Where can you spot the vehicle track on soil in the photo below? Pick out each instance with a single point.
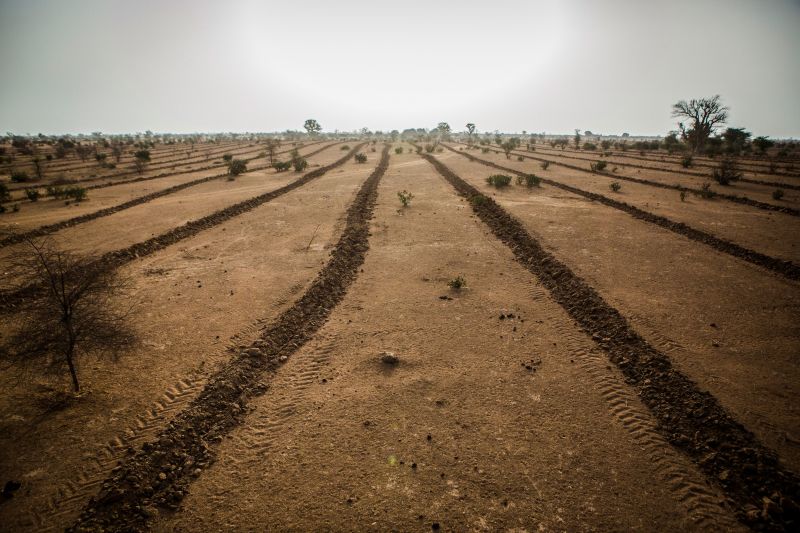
(763, 493)
(778, 266)
(116, 258)
(729, 197)
(16, 238)
(145, 480)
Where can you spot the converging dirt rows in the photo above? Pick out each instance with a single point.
(316, 355)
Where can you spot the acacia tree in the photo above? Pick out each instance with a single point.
(117, 150)
(763, 144)
(444, 130)
(312, 127)
(141, 159)
(577, 138)
(470, 131)
(703, 115)
(75, 310)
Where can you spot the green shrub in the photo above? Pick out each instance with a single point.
(236, 167)
(706, 192)
(484, 150)
(77, 193)
(544, 165)
(529, 180)
(457, 283)
(615, 186)
(520, 158)
(55, 191)
(499, 180)
(686, 161)
(405, 197)
(32, 194)
(599, 166)
(300, 164)
(777, 194)
(227, 158)
(589, 146)
(361, 158)
(727, 172)
(345, 147)
(429, 148)
(19, 176)
(398, 150)
(478, 200)
(282, 166)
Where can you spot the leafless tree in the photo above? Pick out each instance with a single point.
(116, 150)
(704, 115)
(75, 311)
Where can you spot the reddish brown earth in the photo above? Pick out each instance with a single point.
(501, 413)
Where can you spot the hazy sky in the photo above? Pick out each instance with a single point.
(246, 65)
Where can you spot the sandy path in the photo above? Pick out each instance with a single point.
(197, 298)
(461, 434)
(728, 325)
(771, 233)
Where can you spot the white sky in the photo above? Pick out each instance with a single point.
(246, 65)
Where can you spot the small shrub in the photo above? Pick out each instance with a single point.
(544, 165)
(457, 283)
(76, 193)
(529, 180)
(683, 195)
(706, 192)
(345, 147)
(282, 166)
(499, 180)
(589, 146)
(227, 158)
(686, 161)
(19, 176)
(615, 186)
(361, 158)
(236, 167)
(300, 164)
(599, 166)
(398, 150)
(429, 148)
(772, 167)
(484, 150)
(478, 200)
(4, 194)
(727, 172)
(405, 197)
(373, 149)
(2, 209)
(520, 158)
(15, 208)
(32, 194)
(55, 191)
(777, 194)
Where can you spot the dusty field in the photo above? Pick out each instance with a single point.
(616, 361)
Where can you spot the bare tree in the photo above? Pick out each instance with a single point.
(75, 310)
(470, 131)
(704, 115)
(116, 150)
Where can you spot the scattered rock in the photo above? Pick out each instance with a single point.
(282, 358)
(389, 358)
(445, 297)
(254, 352)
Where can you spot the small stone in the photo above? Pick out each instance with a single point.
(254, 352)
(282, 358)
(715, 344)
(389, 358)
(162, 476)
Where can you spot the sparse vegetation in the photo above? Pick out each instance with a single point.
(236, 167)
(398, 150)
(777, 194)
(73, 315)
(499, 180)
(19, 176)
(615, 186)
(529, 180)
(544, 165)
(727, 172)
(706, 192)
(361, 158)
(405, 197)
(686, 161)
(599, 166)
(141, 159)
(457, 283)
(282, 166)
(32, 194)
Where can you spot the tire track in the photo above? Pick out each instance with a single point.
(116, 258)
(66, 500)
(16, 238)
(779, 266)
(730, 197)
(763, 492)
(161, 472)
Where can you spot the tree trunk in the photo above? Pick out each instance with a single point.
(73, 372)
